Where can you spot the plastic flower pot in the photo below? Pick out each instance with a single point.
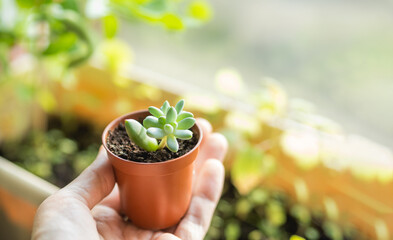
(153, 195)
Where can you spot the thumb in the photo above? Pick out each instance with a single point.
(95, 182)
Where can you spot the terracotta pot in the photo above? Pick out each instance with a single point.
(153, 195)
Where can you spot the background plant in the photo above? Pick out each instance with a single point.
(66, 31)
(59, 154)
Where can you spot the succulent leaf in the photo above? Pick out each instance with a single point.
(156, 112)
(168, 129)
(179, 106)
(184, 115)
(183, 134)
(166, 123)
(151, 121)
(157, 133)
(137, 134)
(171, 115)
(165, 107)
(186, 123)
(172, 143)
(174, 125)
(162, 120)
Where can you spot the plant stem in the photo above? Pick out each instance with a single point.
(162, 143)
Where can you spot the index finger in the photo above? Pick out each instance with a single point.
(204, 201)
(94, 183)
(214, 145)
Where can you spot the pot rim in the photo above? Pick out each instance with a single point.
(117, 120)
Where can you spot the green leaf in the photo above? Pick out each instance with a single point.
(156, 112)
(255, 235)
(258, 196)
(179, 106)
(110, 24)
(26, 3)
(168, 129)
(70, 4)
(7, 39)
(275, 213)
(232, 230)
(247, 168)
(61, 43)
(162, 120)
(174, 125)
(301, 213)
(183, 134)
(157, 133)
(75, 23)
(186, 123)
(151, 121)
(184, 115)
(242, 208)
(172, 22)
(172, 143)
(137, 134)
(171, 115)
(165, 107)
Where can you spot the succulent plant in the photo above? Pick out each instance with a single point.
(166, 124)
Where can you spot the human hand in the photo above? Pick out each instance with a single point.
(89, 207)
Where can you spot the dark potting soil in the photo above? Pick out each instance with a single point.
(120, 144)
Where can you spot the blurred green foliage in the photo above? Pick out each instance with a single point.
(68, 30)
(270, 214)
(57, 155)
(251, 165)
(40, 41)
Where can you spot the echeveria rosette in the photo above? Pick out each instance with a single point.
(166, 123)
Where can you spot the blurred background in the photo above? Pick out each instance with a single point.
(301, 89)
(336, 54)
